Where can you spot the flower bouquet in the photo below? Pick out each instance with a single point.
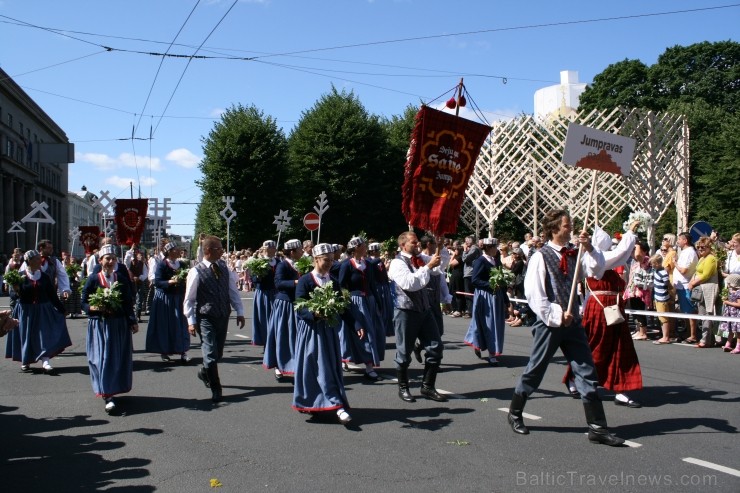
(13, 278)
(106, 300)
(646, 222)
(500, 278)
(258, 266)
(724, 294)
(181, 274)
(304, 265)
(325, 303)
(81, 287)
(72, 270)
(389, 247)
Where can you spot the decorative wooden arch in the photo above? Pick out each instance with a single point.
(520, 169)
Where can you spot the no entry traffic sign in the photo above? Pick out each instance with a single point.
(311, 221)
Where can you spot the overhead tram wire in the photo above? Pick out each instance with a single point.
(190, 60)
(161, 62)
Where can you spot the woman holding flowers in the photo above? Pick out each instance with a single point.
(318, 369)
(356, 276)
(108, 300)
(167, 331)
(42, 331)
(281, 328)
(262, 269)
(486, 329)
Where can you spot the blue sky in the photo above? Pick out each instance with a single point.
(391, 53)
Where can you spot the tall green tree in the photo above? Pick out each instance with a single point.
(245, 156)
(700, 81)
(339, 148)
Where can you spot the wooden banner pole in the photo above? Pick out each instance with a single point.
(580, 248)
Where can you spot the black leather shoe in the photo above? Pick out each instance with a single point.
(203, 377)
(573, 393)
(405, 394)
(372, 376)
(604, 437)
(517, 424)
(629, 403)
(431, 393)
(477, 353)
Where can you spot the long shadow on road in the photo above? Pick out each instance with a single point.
(57, 461)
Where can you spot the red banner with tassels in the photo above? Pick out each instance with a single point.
(130, 220)
(90, 238)
(440, 162)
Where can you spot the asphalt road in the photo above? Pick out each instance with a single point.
(56, 437)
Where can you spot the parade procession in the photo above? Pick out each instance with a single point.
(445, 299)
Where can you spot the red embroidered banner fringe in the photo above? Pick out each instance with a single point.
(90, 238)
(440, 162)
(130, 220)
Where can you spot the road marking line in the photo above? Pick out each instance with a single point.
(629, 443)
(524, 415)
(711, 465)
(242, 336)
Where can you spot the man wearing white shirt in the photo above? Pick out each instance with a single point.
(210, 294)
(413, 318)
(682, 274)
(547, 286)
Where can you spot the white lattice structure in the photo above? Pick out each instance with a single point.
(522, 164)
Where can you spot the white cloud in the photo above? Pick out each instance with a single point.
(183, 157)
(124, 160)
(122, 182)
(217, 112)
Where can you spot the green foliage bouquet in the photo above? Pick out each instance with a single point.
(181, 274)
(13, 278)
(258, 266)
(325, 303)
(389, 247)
(106, 300)
(304, 265)
(72, 270)
(500, 278)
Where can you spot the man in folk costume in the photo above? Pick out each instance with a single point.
(413, 318)
(547, 286)
(210, 294)
(139, 271)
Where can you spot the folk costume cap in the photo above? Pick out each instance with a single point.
(322, 249)
(269, 244)
(107, 250)
(374, 247)
(335, 246)
(169, 246)
(292, 244)
(490, 241)
(30, 254)
(355, 242)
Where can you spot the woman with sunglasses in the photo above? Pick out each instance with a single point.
(706, 276)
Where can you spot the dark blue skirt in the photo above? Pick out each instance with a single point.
(281, 334)
(110, 355)
(486, 329)
(261, 315)
(318, 368)
(167, 331)
(355, 350)
(384, 302)
(41, 333)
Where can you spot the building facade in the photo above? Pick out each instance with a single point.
(31, 170)
(81, 213)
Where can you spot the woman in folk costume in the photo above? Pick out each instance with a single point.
(613, 349)
(281, 329)
(109, 333)
(42, 329)
(167, 331)
(486, 329)
(381, 288)
(356, 277)
(264, 295)
(319, 386)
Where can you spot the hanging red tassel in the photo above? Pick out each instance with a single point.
(451, 103)
(463, 101)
